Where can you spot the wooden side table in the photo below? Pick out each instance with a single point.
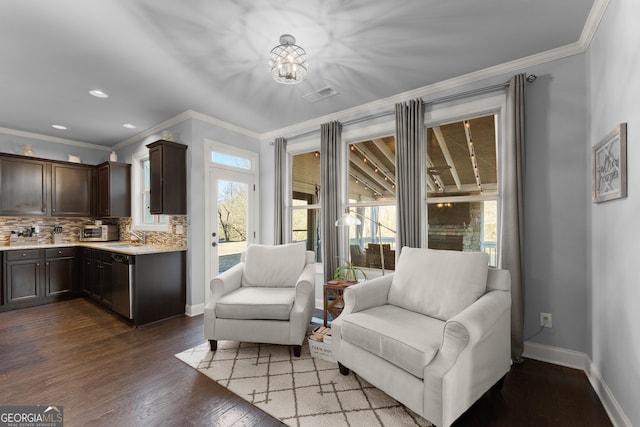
(333, 292)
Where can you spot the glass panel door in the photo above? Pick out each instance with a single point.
(231, 222)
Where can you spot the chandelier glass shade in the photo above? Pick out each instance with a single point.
(288, 61)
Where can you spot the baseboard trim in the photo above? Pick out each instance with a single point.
(555, 355)
(611, 405)
(579, 360)
(194, 310)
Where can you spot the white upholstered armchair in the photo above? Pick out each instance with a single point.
(266, 298)
(434, 335)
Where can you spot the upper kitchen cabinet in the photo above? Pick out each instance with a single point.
(113, 190)
(70, 190)
(168, 178)
(23, 186)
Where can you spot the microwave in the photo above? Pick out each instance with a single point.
(99, 233)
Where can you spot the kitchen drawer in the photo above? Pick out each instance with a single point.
(60, 252)
(22, 255)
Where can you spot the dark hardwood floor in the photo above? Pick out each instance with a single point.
(106, 373)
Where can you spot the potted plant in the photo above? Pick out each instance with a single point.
(348, 272)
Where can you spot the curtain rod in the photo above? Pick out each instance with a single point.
(530, 79)
(465, 94)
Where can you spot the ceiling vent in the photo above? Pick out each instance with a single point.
(320, 94)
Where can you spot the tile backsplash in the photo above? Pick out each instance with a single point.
(156, 237)
(71, 227)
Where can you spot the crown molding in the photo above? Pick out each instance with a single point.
(591, 26)
(187, 115)
(224, 125)
(593, 22)
(154, 129)
(430, 90)
(48, 138)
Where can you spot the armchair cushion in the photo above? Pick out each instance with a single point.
(405, 338)
(274, 266)
(438, 283)
(256, 303)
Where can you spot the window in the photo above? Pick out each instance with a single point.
(142, 218)
(372, 198)
(305, 200)
(462, 185)
(230, 160)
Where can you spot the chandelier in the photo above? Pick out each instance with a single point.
(288, 61)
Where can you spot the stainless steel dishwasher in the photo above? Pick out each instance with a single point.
(122, 279)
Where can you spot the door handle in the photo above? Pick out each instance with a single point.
(213, 234)
(214, 244)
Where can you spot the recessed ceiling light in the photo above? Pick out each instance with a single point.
(98, 93)
(129, 126)
(59, 127)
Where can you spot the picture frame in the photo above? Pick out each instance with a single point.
(609, 166)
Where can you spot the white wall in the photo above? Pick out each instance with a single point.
(614, 82)
(52, 150)
(556, 274)
(557, 188)
(192, 133)
(197, 237)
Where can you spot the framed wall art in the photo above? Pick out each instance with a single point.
(609, 166)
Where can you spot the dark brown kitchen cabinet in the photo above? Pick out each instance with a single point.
(113, 190)
(159, 286)
(70, 190)
(24, 186)
(168, 178)
(97, 276)
(106, 291)
(2, 299)
(38, 276)
(23, 276)
(86, 275)
(38, 187)
(60, 271)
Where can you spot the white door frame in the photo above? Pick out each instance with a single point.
(211, 173)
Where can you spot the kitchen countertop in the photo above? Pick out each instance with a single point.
(121, 247)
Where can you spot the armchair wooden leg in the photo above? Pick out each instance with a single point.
(213, 344)
(343, 369)
(297, 349)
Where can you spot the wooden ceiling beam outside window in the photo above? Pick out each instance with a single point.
(380, 145)
(375, 163)
(447, 155)
(368, 173)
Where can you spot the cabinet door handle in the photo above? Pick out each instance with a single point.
(59, 252)
(24, 254)
(47, 263)
(37, 264)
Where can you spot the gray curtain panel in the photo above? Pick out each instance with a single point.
(512, 210)
(279, 233)
(330, 172)
(410, 173)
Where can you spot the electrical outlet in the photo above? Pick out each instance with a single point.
(179, 229)
(546, 320)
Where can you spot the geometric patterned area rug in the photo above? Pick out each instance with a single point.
(299, 391)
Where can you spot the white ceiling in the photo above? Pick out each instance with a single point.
(159, 58)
